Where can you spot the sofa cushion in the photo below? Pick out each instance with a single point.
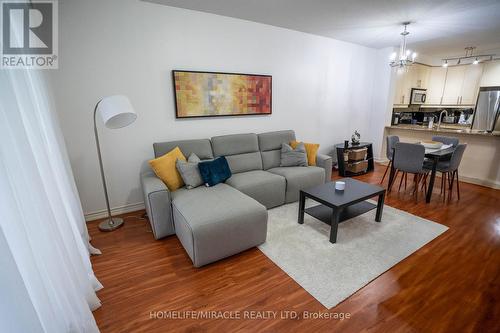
(235, 144)
(202, 148)
(293, 156)
(244, 162)
(216, 222)
(164, 167)
(273, 140)
(241, 151)
(298, 178)
(270, 147)
(271, 159)
(311, 150)
(214, 172)
(189, 171)
(265, 187)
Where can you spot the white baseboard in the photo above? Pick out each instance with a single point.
(482, 182)
(114, 211)
(382, 160)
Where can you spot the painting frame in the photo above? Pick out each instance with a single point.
(178, 116)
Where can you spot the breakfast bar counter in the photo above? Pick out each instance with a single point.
(481, 160)
(458, 130)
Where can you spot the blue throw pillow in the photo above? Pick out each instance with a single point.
(214, 172)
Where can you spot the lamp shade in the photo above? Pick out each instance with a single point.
(116, 111)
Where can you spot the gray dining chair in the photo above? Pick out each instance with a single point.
(391, 141)
(447, 169)
(409, 158)
(446, 140)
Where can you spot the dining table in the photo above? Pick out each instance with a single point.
(434, 155)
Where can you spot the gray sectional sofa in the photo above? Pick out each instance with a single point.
(216, 222)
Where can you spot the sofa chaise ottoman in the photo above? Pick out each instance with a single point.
(216, 222)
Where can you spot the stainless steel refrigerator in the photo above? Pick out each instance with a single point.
(487, 114)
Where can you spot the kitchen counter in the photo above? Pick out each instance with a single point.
(481, 159)
(454, 129)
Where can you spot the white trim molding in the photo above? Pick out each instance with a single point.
(381, 160)
(114, 211)
(482, 182)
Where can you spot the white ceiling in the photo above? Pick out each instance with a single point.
(439, 28)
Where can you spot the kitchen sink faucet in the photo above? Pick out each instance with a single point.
(441, 117)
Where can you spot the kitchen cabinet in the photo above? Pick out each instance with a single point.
(421, 79)
(399, 84)
(462, 84)
(435, 86)
(453, 85)
(470, 85)
(415, 77)
(491, 74)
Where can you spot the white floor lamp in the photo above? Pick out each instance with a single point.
(116, 112)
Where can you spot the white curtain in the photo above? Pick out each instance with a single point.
(40, 212)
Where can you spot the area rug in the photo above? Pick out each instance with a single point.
(364, 249)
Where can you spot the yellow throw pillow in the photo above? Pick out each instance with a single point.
(311, 150)
(164, 167)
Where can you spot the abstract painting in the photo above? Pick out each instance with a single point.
(211, 94)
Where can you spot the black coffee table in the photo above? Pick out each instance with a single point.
(338, 206)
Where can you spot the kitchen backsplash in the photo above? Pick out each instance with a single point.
(422, 116)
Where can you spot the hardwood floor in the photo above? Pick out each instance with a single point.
(450, 285)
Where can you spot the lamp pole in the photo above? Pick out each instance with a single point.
(111, 223)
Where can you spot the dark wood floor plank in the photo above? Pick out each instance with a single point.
(452, 284)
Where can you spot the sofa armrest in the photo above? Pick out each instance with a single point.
(325, 162)
(158, 204)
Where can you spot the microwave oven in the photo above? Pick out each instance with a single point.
(418, 96)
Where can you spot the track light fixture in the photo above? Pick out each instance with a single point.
(476, 59)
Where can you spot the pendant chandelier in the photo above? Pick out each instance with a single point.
(405, 57)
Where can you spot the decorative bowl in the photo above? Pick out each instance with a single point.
(431, 144)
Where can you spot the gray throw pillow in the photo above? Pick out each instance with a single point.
(293, 157)
(189, 171)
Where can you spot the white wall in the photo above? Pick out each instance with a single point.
(383, 95)
(322, 88)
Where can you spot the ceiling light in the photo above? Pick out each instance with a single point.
(403, 59)
(469, 57)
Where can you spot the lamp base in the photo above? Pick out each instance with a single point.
(111, 224)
